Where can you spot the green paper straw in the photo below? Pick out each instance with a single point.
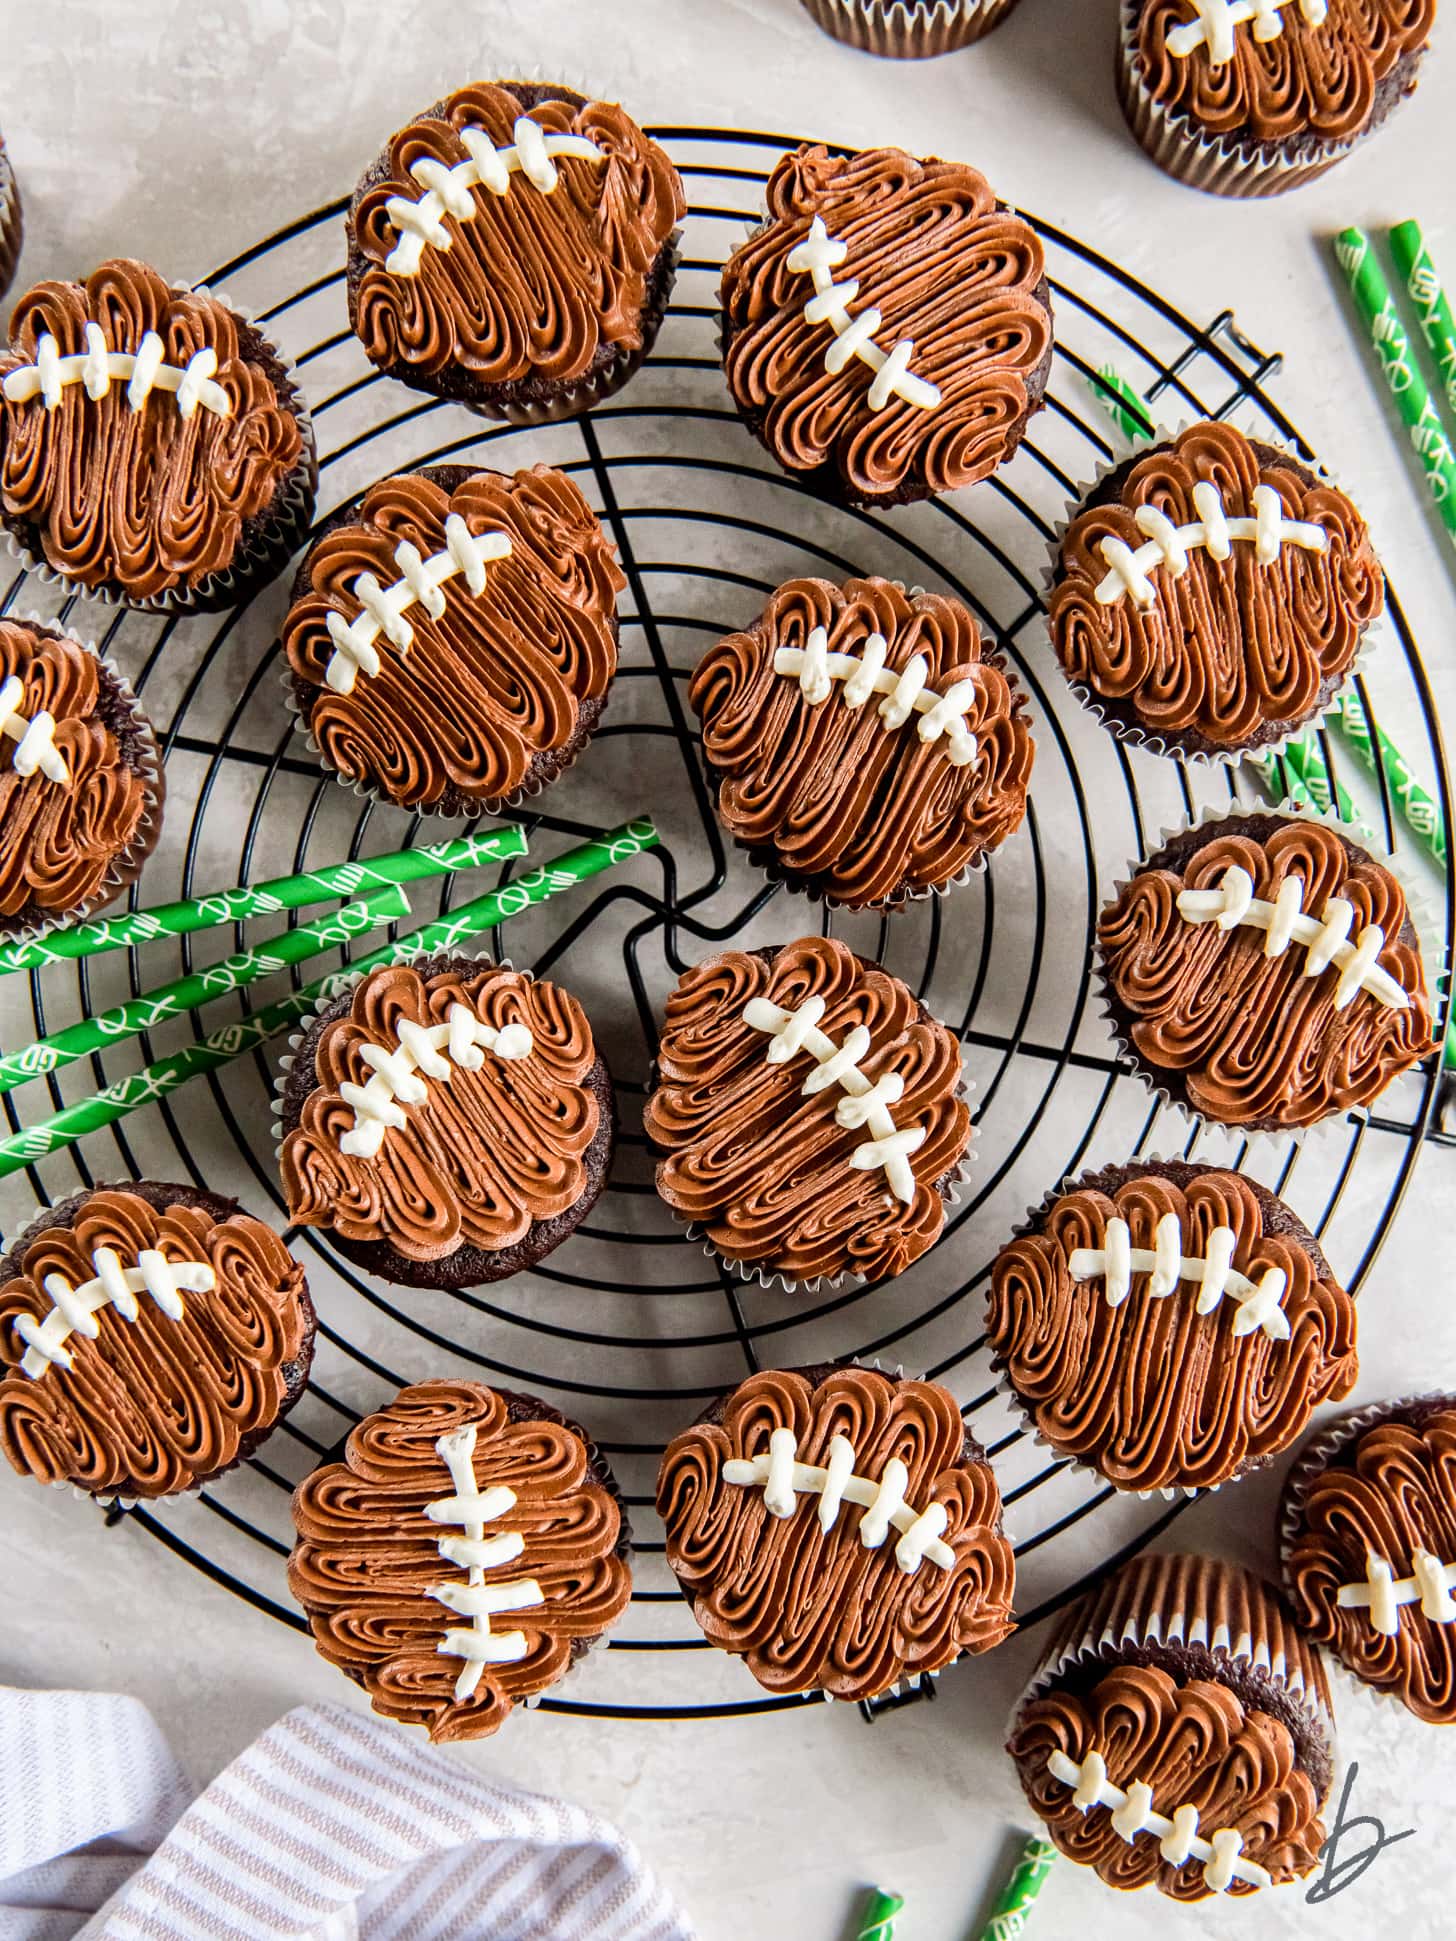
(1375, 750)
(73, 1122)
(877, 1920)
(1433, 312)
(1403, 380)
(265, 899)
(186, 993)
(1017, 1898)
(1307, 779)
(1127, 408)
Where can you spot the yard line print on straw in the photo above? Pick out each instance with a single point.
(906, 693)
(1178, 1839)
(1326, 938)
(816, 257)
(1117, 1260)
(34, 735)
(1217, 19)
(889, 1146)
(420, 581)
(782, 1477)
(448, 190)
(74, 1309)
(1383, 1593)
(1268, 531)
(476, 1553)
(437, 1050)
(96, 367)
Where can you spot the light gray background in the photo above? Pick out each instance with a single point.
(182, 132)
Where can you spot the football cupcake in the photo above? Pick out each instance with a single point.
(514, 247)
(469, 1549)
(810, 1113)
(12, 227)
(452, 637)
(1368, 1541)
(1212, 595)
(81, 781)
(887, 329)
(908, 29)
(1171, 1326)
(448, 1121)
(837, 1529)
(1178, 1733)
(150, 1338)
(1265, 971)
(154, 448)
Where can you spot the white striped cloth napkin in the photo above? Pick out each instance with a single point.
(330, 1827)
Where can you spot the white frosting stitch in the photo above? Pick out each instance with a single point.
(782, 1477)
(76, 1308)
(817, 256)
(384, 607)
(906, 693)
(476, 1553)
(867, 1104)
(96, 366)
(35, 735)
(1326, 937)
(1217, 19)
(1178, 1839)
(1116, 1260)
(1168, 545)
(1383, 1593)
(436, 1050)
(448, 190)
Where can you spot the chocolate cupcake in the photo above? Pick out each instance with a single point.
(81, 782)
(838, 1529)
(12, 226)
(150, 1336)
(452, 637)
(810, 1112)
(465, 1501)
(908, 29)
(887, 329)
(1178, 1733)
(514, 247)
(154, 449)
(1250, 100)
(1368, 1544)
(1171, 1326)
(863, 806)
(1265, 971)
(448, 1122)
(1212, 595)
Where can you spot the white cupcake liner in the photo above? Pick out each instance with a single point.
(908, 29)
(12, 226)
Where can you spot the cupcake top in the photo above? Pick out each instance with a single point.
(150, 1336)
(1266, 970)
(810, 1110)
(462, 1556)
(1171, 1325)
(838, 1529)
(78, 774)
(143, 429)
(452, 637)
(1331, 69)
(887, 329)
(863, 804)
(1370, 1548)
(509, 232)
(445, 1105)
(1213, 593)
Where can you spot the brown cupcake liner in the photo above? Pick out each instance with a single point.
(908, 29)
(12, 225)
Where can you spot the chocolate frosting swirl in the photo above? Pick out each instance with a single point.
(946, 266)
(762, 1170)
(58, 840)
(1231, 652)
(1152, 1393)
(153, 1406)
(1194, 1744)
(809, 1609)
(367, 1557)
(1248, 1039)
(862, 812)
(1323, 81)
(495, 685)
(144, 500)
(482, 1157)
(534, 284)
(1390, 1491)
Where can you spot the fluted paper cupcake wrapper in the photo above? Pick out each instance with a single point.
(1419, 909)
(12, 227)
(127, 865)
(908, 29)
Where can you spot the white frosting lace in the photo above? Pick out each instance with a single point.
(1178, 1839)
(781, 1477)
(1325, 937)
(1383, 1593)
(434, 1049)
(906, 693)
(1217, 19)
(476, 1553)
(816, 257)
(420, 580)
(1117, 1260)
(76, 1308)
(96, 366)
(1169, 545)
(35, 735)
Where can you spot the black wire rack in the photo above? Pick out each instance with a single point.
(629, 1326)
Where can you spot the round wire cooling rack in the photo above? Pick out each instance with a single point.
(629, 1326)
